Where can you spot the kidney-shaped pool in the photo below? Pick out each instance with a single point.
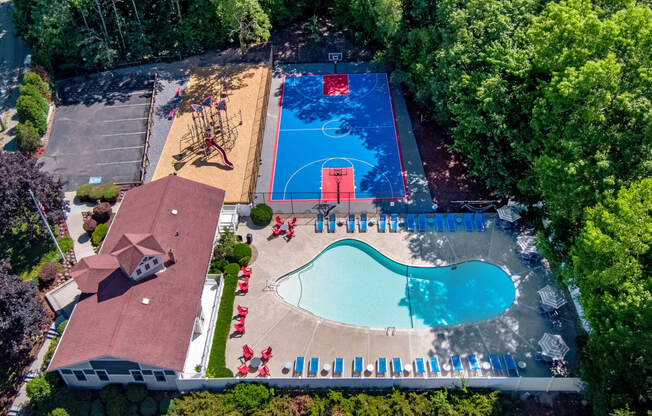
(352, 283)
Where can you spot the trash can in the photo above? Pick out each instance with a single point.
(250, 238)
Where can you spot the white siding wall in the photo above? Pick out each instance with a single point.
(93, 381)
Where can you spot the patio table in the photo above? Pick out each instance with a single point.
(284, 227)
(486, 366)
(287, 366)
(408, 368)
(370, 367)
(327, 367)
(447, 367)
(522, 365)
(255, 362)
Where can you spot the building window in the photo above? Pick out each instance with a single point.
(146, 266)
(79, 375)
(155, 262)
(169, 372)
(66, 371)
(89, 372)
(160, 376)
(138, 271)
(137, 375)
(147, 372)
(102, 375)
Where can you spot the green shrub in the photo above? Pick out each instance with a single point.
(97, 192)
(225, 245)
(165, 406)
(132, 409)
(58, 412)
(47, 357)
(99, 234)
(245, 261)
(136, 392)
(148, 407)
(97, 409)
(89, 225)
(217, 361)
(218, 265)
(110, 193)
(65, 244)
(117, 406)
(33, 78)
(29, 109)
(84, 192)
(109, 392)
(35, 92)
(47, 273)
(232, 270)
(62, 326)
(261, 214)
(248, 396)
(102, 212)
(28, 138)
(239, 251)
(38, 390)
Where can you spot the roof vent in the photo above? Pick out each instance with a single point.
(145, 301)
(174, 212)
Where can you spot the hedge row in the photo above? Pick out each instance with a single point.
(217, 360)
(32, 110)
(105, 192)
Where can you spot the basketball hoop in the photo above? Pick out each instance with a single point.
(338, 173)
(335, 57)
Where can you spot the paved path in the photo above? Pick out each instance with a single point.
(13, 51)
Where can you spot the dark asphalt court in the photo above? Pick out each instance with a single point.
(99, 128)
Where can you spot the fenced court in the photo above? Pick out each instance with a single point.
(337, 140)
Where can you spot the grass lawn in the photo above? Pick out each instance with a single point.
(217, 360)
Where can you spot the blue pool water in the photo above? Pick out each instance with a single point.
(352, 283)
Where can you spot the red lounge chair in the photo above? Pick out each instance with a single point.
(292, 223)
(247, 352)
(279, 221)
(289, 233)
(239, 328)
(243, 369)
(266, 353)
(242, 321)
(276, 231)
(244, 286)
(245, 278)
(245, 270)
(243, 310)
(264, 371)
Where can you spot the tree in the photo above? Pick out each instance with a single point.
(248, 21)
(29, 108)
(22, 313)
(611, 267)
(18, 214)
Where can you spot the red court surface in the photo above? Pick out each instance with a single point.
(329, 178)
(336, 84)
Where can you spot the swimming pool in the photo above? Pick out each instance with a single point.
(351, 282)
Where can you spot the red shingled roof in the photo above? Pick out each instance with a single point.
(91, 270)
(114, 322)
(131, 248)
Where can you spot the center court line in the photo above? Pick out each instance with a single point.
(118, 163)
(124, 134)
(125, 119)
(338, 128)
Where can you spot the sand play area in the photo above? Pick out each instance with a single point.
(236, 127)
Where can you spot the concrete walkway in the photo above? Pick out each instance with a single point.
(294, 332)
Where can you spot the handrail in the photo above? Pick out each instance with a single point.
(145, 161)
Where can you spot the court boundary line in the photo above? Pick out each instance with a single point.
(398, 144)
(346, 96)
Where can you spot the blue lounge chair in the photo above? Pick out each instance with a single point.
(479, 221)
(419, 366)
(319, 224)
(382, 222)
(434, 365)
(357, 365)
(331, 223)
(496, 365)
(451, 222)
(439, 222)
(351, 222)
(313, 368)
(410, 222)
(382, 366)
(339, 366)
(468, 221)
(473, 362)
(510, 364)
(298, 365)
(421, 223)
(393, 222)
(397, 365)
(363, 223)
(457, 363)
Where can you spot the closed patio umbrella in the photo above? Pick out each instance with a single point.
(553, 346)
(526, 244)
(552, 297)
(508, 213)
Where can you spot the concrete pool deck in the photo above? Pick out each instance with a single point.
(294, 332)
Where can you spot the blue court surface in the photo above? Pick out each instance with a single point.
(337, 140)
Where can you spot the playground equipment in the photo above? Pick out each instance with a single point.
(212, 128)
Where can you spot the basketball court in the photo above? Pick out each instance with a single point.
(336, 140)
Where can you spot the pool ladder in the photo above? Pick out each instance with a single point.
(270, 286)
(390, 330)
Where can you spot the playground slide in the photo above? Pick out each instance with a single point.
(225, 160)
